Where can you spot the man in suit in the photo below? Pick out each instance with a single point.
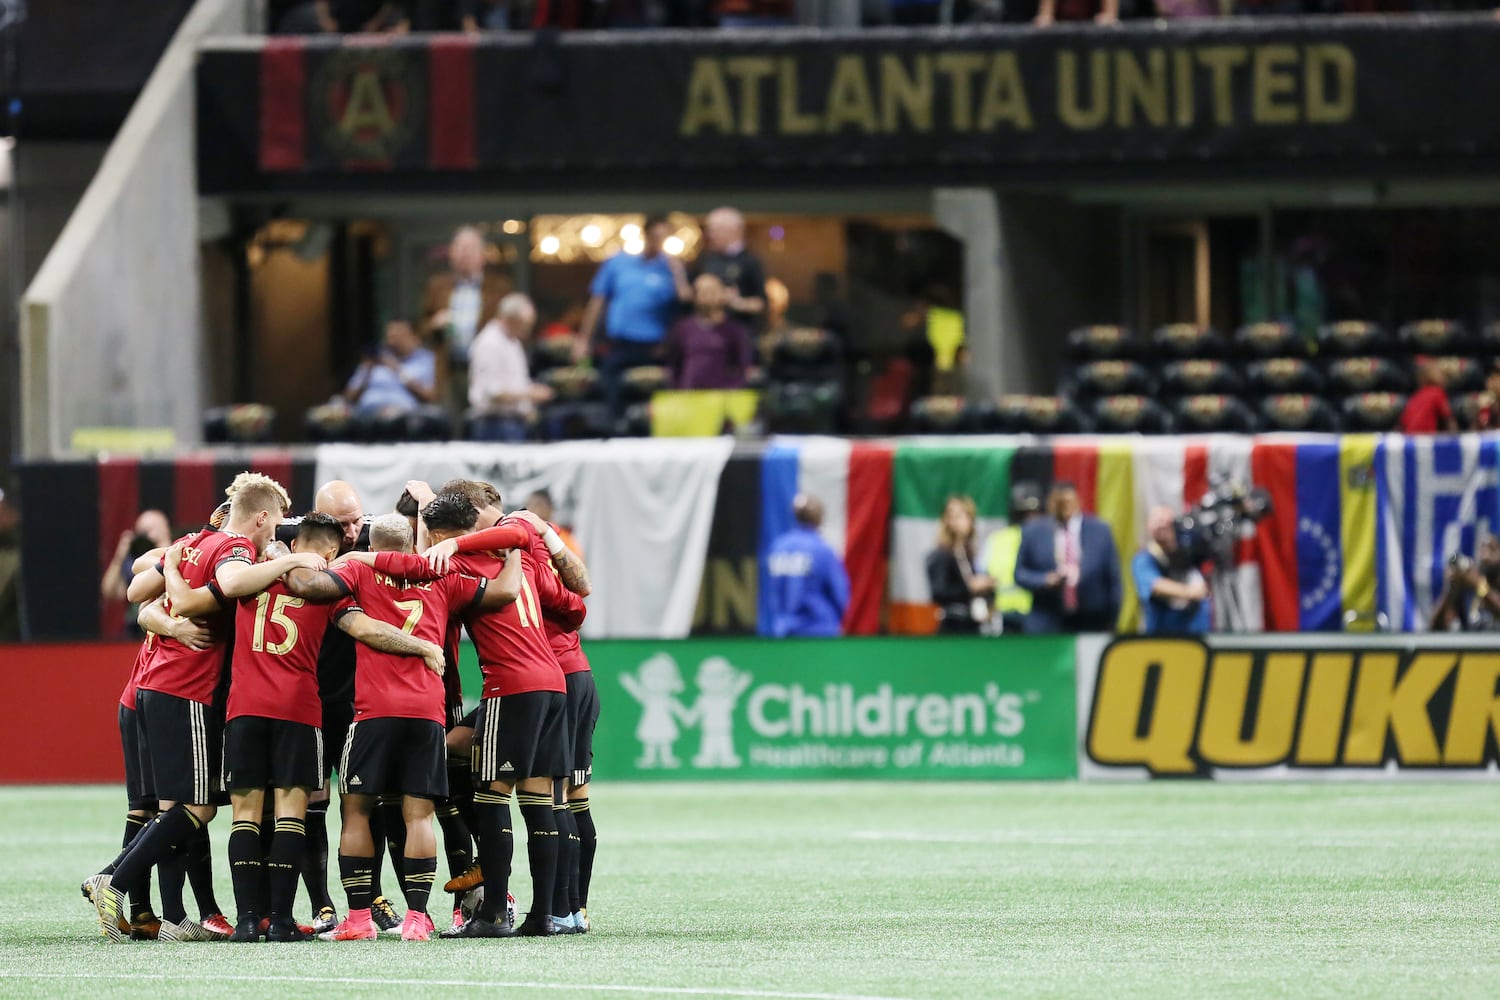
(1069, 563)
(455, 307)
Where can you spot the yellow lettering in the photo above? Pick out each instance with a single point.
(849, 100)
(1140, 88)
(1382, 706)
(903, 94)
(1126, 730)
(1328, 105)
(1227, 707)
(707, 100)
(1004, 95)
(1323, 709)
(1069, 110)
(1476, 709)
(1275, 81)
(1221, 61)
(749, 71)
(1182, 86)
(959, 67)
(793, 120)
(367, 108)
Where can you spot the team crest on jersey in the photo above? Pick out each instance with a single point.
(368, 102)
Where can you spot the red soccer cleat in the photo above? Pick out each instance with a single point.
(357, 926)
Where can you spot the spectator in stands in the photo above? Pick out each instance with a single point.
(540, 504)
(502, 396)
(755, 13)
(709, 349)
(1487, 413)
(151, 531)
(1174, 597)
(310, 17)
(1012, 601)
(1100, 12)
(739, 269)
(1470, 601)
(10, 570)
(455, 306)
(397, 379)
(638, 297)
(1069, 563)
(809, 585)
(961, 593)
(1428, 410)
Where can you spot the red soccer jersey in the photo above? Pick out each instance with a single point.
(142, 657)
(387, 685)
(514, 653)
(277, 636)
(194, 673)
(1427, 412)
(557, 613)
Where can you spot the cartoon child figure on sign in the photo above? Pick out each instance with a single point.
(654, 685)
(719, 688)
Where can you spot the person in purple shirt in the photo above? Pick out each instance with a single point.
(709, 349)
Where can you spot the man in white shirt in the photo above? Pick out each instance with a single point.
(502, 397)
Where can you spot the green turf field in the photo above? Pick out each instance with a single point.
(880, 890)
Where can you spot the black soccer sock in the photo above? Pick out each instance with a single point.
(267, 828)
(200, 871)
(461, 791)
(377, 836)
(133, 827)
(563, 893)
(140, 894)
(417, 877)
(357, 876)
(583, 816)
(395, 834)
(496, 843)
(541, 847)
(282, 862)
(246, 868)
(458, 843)
(160, 844)
(315, 857)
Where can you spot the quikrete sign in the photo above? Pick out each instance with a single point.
(1077, 89)
(1181, 707)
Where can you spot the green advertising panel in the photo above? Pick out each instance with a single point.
(853, 708)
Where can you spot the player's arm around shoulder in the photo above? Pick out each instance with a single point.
(319, 586)
(238, 579)
(387, 638)
(505, 588)
(187, 601)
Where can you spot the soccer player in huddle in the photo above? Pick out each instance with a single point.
(396, 744)
(272, 738)
(174, 700)
(521, 738)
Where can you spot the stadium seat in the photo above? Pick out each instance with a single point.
(571, 383)
(1102, 343)
(1373, 411)
(1022, 414)
(1435, 336)
(333, 421)
(641, 382)
(1110, 378)
(1348, 376)
(571, 420)
(1353, 337)
(1297, 412)
(940, 415)
(1187, 340)
(243, 423)
(1213, 414)
(806, 354)
(636, 422)
(890, 391)
(1463, 374)
(1130, 415)
(1466, 406)
(1269, 340)
(1199, 377)
(1488, 341)
(803, 407)
(551, 352)
(1277, 375)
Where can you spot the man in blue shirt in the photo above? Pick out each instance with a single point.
(809, 585)
(399, 379)
(639, 296)
(1174, 598)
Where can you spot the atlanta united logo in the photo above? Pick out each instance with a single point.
(367, 103)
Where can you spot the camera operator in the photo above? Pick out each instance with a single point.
(1471, 592)
(1173, 593)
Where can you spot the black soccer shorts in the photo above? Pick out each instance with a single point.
(583, 716)
(522, 736)
(183, 745)
(337, 717)
(391, 756)
(138, 791)
(261, 752)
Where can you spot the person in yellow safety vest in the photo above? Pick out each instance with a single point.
(1012, 601)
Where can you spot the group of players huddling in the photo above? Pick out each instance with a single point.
(241, 683)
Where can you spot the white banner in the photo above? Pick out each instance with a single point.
(640, 508)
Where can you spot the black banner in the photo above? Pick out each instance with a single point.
(1310, 91)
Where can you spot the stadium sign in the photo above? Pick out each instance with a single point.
(1294, 707)
(855, 708)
